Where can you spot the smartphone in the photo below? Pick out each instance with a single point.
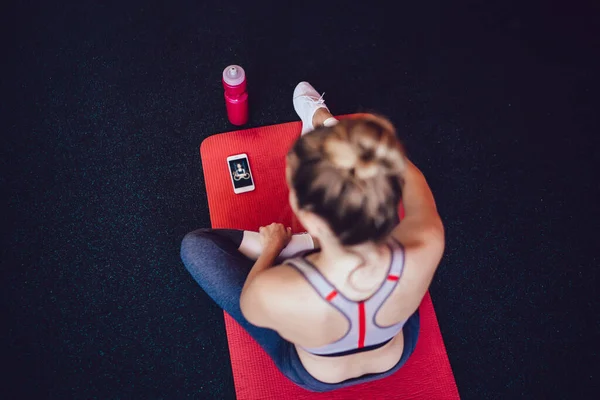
(240, 174)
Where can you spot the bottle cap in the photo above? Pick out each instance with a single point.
(234, 75)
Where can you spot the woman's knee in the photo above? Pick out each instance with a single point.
(195, 244)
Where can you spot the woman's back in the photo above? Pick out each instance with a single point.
(308, 318)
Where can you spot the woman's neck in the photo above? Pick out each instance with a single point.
(334, 254)
(363, 264)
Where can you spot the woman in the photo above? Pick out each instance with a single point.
(345, 312)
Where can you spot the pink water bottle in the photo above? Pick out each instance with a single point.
(236, 97)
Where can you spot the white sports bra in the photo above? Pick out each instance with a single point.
(364, 333)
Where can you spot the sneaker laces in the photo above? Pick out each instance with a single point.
(320, 101)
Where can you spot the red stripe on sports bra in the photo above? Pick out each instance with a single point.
(362, 326)
(331, 295)
(393, 277)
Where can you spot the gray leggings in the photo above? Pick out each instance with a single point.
(212, 258)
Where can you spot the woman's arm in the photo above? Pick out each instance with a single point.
(248, 242)
(421, 220)
(251, 246)
(273, 238)
(421, 233)
(265, 260)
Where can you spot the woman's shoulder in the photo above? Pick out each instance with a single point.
(423, 243)
(285, 278)
(291, 302)
(421, 257)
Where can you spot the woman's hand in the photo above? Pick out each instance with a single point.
(275, 236)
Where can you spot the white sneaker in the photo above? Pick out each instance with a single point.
(306, 102)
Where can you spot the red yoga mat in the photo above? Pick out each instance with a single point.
(427, 373)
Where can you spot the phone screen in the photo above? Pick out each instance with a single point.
(240, 172)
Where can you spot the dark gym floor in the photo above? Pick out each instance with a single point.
(105, 107)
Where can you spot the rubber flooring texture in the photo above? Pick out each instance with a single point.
(105, 106)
